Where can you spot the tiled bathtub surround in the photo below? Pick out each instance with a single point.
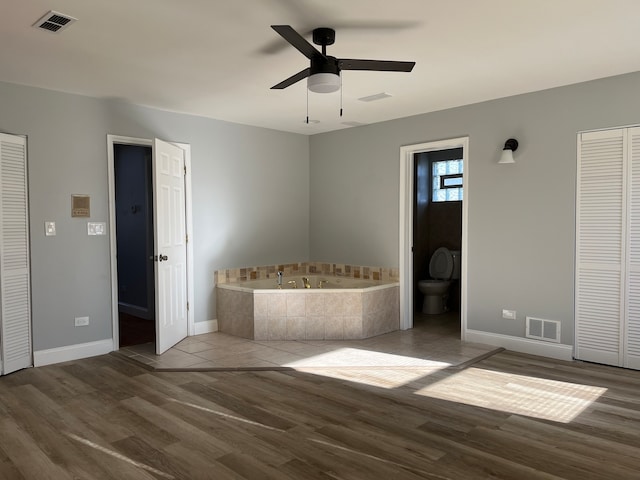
(308, 314)
(234, 275)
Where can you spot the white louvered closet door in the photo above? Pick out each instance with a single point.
(632, 314)
(15, 297)
(600, 246)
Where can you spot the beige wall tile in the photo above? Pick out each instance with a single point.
(277, 305)
(296, 304)
(277, 328)
(314, 328)
(352, 304)
(314, 304)
(261, 304)
(260, 328)
(334, 303)
(296, 328)
(352, 327)
(334, 327)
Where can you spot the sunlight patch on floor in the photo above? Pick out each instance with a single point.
(519, 394)
(378, 377)
(379, 369)
(357, 357)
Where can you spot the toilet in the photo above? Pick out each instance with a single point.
(444, 267)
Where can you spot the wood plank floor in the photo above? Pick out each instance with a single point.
(510, 416)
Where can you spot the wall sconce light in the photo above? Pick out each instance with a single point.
(510, 146)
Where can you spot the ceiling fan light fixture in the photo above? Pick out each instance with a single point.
(323, 82)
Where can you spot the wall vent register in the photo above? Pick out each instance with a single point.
(541, 329)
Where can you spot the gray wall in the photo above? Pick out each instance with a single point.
(521, 217)
(250, 200)
(264, 197)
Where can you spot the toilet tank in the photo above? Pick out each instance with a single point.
(457, 261)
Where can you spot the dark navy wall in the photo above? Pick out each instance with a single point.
(134, 224)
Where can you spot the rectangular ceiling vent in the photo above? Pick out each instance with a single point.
(376, 97)
(54, 22)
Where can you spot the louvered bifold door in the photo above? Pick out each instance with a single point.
(632, 314)
(15, 301)
(600, 238)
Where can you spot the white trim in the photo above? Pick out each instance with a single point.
(522, 345)
(406, 227)
(207, 326)
(72, 352)
(111, 140)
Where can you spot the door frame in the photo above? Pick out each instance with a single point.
(118, 139)
(407, 162)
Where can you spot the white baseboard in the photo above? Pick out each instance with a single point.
(207, 326)
(71, 352)
(523, 345)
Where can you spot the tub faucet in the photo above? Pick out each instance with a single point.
(322, 282)
(305, 280)
(293, 283)
(279, 279)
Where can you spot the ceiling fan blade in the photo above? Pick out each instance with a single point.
(298, 41)
(292, 79)
(377, 65)
(306, 20)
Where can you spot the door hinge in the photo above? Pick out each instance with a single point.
(186, 237)
(185, 169)
(187, 306)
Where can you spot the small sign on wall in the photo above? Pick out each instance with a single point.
(80, 206)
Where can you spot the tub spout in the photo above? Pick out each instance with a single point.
(305, 280)
(322, 282)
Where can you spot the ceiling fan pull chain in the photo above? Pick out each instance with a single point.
(307, 90)
(340, 96)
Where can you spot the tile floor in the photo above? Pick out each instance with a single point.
(433, 342)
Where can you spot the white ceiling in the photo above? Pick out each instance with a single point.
(219, 58)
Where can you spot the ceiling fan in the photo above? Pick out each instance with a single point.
(324, 72)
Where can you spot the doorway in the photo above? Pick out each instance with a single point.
(406, 234)
(171, 257)
(134, 243)
(437, 223)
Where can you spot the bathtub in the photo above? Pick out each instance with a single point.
(342, 309)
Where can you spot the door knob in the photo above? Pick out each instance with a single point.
(163, 257)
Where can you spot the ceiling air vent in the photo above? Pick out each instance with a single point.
(377, 96)
(54, 22)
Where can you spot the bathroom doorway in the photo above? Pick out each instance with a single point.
(134, 243)
(437, 223)
(408, 205)
(168, 195)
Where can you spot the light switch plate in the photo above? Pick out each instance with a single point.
(96, 228)
(50, 229)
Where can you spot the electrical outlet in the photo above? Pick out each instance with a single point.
(509, 314)
(81, 321)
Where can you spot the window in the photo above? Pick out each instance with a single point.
(446, 178)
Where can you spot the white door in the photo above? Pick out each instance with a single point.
(170, 244)
(632, 314)
(600, 249)
(15, 293)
